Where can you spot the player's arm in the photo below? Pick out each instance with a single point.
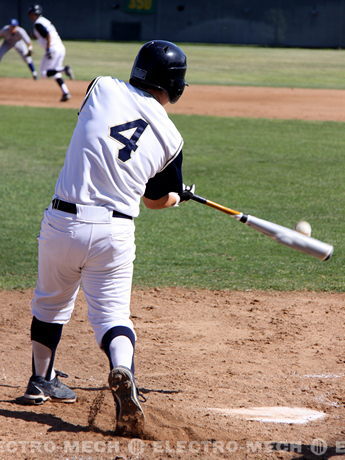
(162, 189)
(48, 46)
(165, 189)
(45, 34)
(167, 201)
(24, 36)
(27, 40)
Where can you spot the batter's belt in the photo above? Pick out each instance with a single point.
(72, 208)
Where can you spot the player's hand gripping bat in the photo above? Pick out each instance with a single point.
(283, 235)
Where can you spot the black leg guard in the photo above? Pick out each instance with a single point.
(51, 72)
(59, 81)
(115, 332)
(48, 334)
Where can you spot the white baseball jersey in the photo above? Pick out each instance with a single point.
(13, 37)
(123, 138)
(44, 23)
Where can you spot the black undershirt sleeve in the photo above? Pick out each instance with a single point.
(168, 180)
(41, 30)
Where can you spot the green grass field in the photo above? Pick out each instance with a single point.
(208, 64)
(281, 171)
(278, 170)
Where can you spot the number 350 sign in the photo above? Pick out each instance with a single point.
(140, 6)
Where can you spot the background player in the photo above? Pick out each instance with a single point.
(17, 38)
(124, 147)
(52, 64)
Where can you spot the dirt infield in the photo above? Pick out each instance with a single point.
(199, 352)
(231, 101)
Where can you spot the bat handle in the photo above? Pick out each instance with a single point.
(199, 199)
(236, 214)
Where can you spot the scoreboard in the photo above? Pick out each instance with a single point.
(140, 6)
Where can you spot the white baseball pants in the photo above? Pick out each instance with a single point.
(55, 63)
(20, 47)
(91, 249)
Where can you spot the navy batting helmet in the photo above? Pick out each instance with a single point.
(161, 65)
(36, 8)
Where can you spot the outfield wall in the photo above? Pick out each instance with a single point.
(304, 23)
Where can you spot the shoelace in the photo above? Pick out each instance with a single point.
(61, 374)
(141, 396)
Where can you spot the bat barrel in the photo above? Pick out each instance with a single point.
(282, 235)
(291, 238)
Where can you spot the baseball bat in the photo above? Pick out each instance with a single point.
(282, 235)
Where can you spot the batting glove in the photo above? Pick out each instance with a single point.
(187, 192)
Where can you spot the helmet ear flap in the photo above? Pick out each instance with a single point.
(138, 73)
(177, 87)
(161, 65)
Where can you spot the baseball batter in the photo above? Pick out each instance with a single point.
(123, 148)
(52, 64)
(16, 37)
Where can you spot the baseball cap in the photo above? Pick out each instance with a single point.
(14, 22)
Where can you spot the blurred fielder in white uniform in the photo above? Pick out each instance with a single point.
(124, 148)
(52, 64)
(16, 37)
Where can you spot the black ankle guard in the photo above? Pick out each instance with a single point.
(111, 334)
(48, 334)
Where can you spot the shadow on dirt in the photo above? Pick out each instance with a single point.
(56, 423)
(152, 390)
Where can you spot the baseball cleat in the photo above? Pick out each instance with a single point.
(69, 72)
(65, 97)
(34, 75)
(129, 414)
(40, 390)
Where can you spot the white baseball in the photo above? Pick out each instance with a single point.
(303, 227)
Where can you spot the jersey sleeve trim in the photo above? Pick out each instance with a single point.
(178, 151)
(89, 90)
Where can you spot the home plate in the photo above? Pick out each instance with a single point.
(278, 414)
